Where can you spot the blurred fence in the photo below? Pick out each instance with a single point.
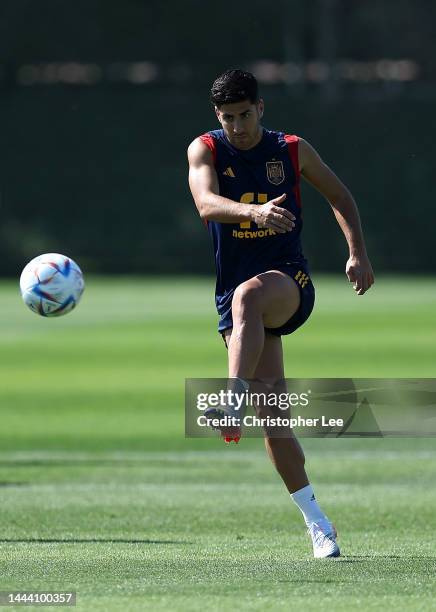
(99, 101)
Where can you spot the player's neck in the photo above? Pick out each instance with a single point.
(258, 137)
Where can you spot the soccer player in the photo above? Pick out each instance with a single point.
(245, 183)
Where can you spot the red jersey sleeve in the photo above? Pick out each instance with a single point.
(292, 142)
(210, 143)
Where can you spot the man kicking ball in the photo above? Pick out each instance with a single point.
(245, 183)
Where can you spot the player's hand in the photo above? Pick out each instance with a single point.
(273, 216)
(359, 271)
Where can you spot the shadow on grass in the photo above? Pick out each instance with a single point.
(14, 484)
(86, 541)
(71, 462)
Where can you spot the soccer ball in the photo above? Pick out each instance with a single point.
(51, 284)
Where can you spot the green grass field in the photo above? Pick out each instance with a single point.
(101, 492)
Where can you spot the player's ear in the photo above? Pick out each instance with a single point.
(217, 113)
(260, 107)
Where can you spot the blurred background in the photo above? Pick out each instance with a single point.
(99, 100)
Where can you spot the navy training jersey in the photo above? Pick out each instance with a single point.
(254, 176)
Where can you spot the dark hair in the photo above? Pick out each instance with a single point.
(234, 86)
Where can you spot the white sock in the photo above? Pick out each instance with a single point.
(305, 500)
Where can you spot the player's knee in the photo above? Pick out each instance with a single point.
(247, 296)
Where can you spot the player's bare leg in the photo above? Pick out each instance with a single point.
(266, 300)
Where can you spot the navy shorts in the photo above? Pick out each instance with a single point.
(307, 301)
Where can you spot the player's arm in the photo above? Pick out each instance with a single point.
(316, 172)
(203, 182)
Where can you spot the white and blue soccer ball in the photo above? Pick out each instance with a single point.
(51, 284)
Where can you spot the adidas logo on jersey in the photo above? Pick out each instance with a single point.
(229, 172)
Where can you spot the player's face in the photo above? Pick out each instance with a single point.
(241, 123)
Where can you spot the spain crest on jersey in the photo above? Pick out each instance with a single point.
(275, 172)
